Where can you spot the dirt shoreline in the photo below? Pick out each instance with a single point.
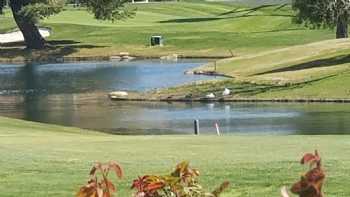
(148, 98)
(58, 59)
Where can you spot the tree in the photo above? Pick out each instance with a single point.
(324, 13)
(27, 13)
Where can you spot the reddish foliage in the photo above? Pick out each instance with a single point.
(220, 189)
(311, 183)
(311, 159)
(103, 187)
(185, 172)
(182, 182)
(148, 186)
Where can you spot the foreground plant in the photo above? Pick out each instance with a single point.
(312, 182)
(180, 183)
(101, 186)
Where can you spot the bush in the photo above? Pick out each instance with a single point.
(101, 186)
(182, 182)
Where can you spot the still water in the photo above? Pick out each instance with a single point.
(74, 94)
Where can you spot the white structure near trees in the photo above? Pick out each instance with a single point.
(137, 1)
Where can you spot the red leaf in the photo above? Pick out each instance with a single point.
(138, 183)
(310, 158)
(89, 190)
(93, 171)
(154, 186)
(116, 168)
(110, 186)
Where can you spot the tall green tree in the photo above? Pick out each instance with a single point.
(324, 13)
(27, 14)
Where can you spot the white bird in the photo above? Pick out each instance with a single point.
(118, 94)
(226, 92)
(210, 96)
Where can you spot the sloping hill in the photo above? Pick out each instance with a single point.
(196, 28)
(189, 29)
(316, 71)
(290, 65)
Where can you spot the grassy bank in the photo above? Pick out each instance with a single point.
(45, 160)
(190, 28)
(328, 89)
(310, 71)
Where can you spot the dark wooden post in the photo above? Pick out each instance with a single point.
(196, 127)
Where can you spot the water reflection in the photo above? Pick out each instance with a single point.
(85, 77)
(95, 111)
(75, 95)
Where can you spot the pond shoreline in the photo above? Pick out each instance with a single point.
(145, 97)
(148, 97)
(59, 59)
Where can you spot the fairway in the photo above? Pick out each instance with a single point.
(254, 52)
(47, 160)
(190, 29)
(212, 28)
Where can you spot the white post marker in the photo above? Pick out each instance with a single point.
(217, 129)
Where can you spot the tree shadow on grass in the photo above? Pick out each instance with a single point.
(203, 19)
(254, 9)
(243, 88)
(247, 11)
(248, 89)
(277, 30)
(192, 20)
(327, 62)
(207, 19)
(55, 49)
(239, 13)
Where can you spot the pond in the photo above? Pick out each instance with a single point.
(74, 94)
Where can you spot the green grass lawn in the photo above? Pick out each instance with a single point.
(47, 160)
(329, 88)
(310, 71)
(7, 23)
(290, 65)
(190, 28)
